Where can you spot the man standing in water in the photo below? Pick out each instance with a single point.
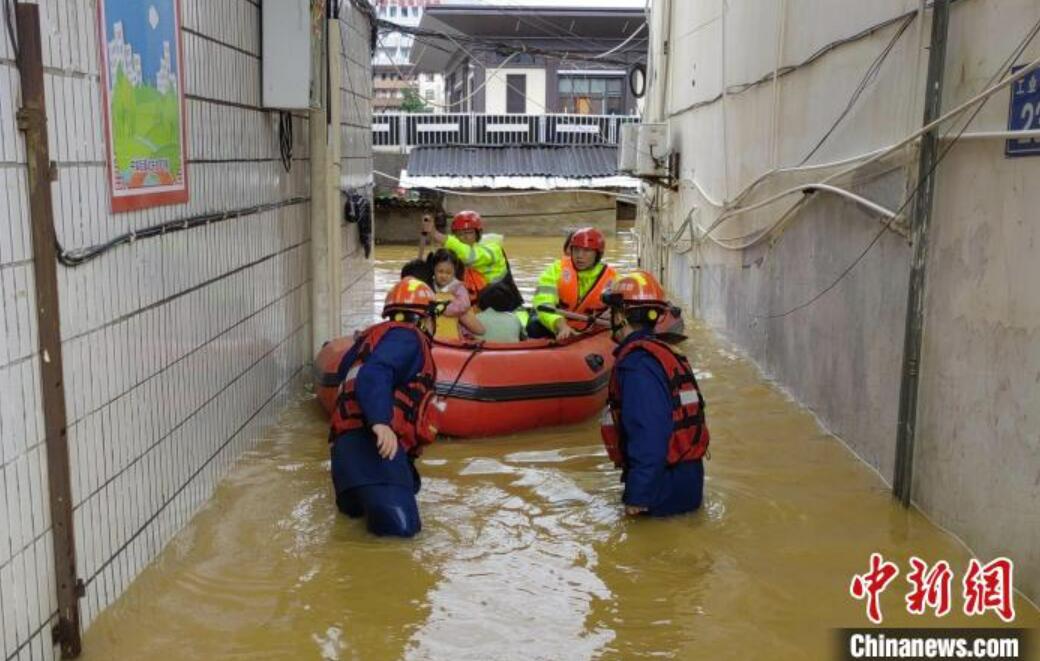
(385, 412)
(654, 427)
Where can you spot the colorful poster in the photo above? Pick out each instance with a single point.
(143, 85)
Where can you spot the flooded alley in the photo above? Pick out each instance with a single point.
(524, 553)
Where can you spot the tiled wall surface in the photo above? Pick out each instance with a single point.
(177, 349)
(356, 164)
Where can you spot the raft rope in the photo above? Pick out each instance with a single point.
(472, 355)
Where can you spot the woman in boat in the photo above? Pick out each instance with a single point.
(500, 323)
(385, 412)
(573, 283)
(447, 271)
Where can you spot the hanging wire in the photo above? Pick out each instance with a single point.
(285, 139)
(870, 74)
(910, 197)
(9, 22)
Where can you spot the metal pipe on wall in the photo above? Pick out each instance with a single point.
(32, 121)
(902, 483)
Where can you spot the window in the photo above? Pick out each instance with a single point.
(406, 53)
(516, 93)
(591, 95)
(393, 12)
(429, 95)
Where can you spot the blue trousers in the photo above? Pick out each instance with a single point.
(681, 490)
(383, 491)
(390, 510)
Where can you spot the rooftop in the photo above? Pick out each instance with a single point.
(544, 167)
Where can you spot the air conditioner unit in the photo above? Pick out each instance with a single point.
(627, 148)
(652, 150)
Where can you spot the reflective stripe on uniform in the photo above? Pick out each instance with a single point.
(687, 397)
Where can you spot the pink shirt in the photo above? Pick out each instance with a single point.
(460, 304)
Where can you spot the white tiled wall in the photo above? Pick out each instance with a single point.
(177, 349)
(356, 164)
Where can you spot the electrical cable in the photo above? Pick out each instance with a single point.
(497, 46)
(872, 71)
(879, 154)
(78, 256)
(9, 21)
(622, 44)
(910, 197)
(285, 139)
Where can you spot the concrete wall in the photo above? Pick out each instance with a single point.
(390, 162)
(496, 91)
(977, 463)
(177, 349)
(356, 164)
(399, 224)
(551, 214)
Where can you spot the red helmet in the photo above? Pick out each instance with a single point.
(638, 289)
(588, 237)
(467, 220)
(410, 295)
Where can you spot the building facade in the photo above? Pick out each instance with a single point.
(393, 73)
(178, 348)
(574, 60)
(763, 101)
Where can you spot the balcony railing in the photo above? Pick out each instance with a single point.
(400, 131)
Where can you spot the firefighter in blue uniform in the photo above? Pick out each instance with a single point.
(385, 412)
(654, 427)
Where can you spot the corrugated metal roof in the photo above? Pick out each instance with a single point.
(551, 161)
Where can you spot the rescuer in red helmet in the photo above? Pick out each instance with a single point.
(571, 284)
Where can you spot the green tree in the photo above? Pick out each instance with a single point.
(412, 102)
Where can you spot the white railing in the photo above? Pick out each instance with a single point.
(400, 131)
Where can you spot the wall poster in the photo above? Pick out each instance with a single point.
(143, 101)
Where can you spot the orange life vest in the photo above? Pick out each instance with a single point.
(415, 413)
(689, 439)
(569, 297)
(475, 283)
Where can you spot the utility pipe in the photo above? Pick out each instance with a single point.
(32, 120)
(906, 432)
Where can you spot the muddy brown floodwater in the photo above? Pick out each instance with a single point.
(524, 553)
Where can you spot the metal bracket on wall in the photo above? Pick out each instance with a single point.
(32, 121)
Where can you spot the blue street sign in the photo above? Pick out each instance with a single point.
(1024, 114)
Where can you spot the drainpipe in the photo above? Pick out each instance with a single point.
(32, 120)
(902, 483)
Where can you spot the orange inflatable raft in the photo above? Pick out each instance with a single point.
(495, 389)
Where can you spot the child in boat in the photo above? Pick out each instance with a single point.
(447, 271)
(418, 269)
(500, 323)
(654, 427)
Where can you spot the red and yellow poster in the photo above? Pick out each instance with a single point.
(143, 101)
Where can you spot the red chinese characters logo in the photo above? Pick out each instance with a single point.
(870, 585)
(989, 587)
(930, 587)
